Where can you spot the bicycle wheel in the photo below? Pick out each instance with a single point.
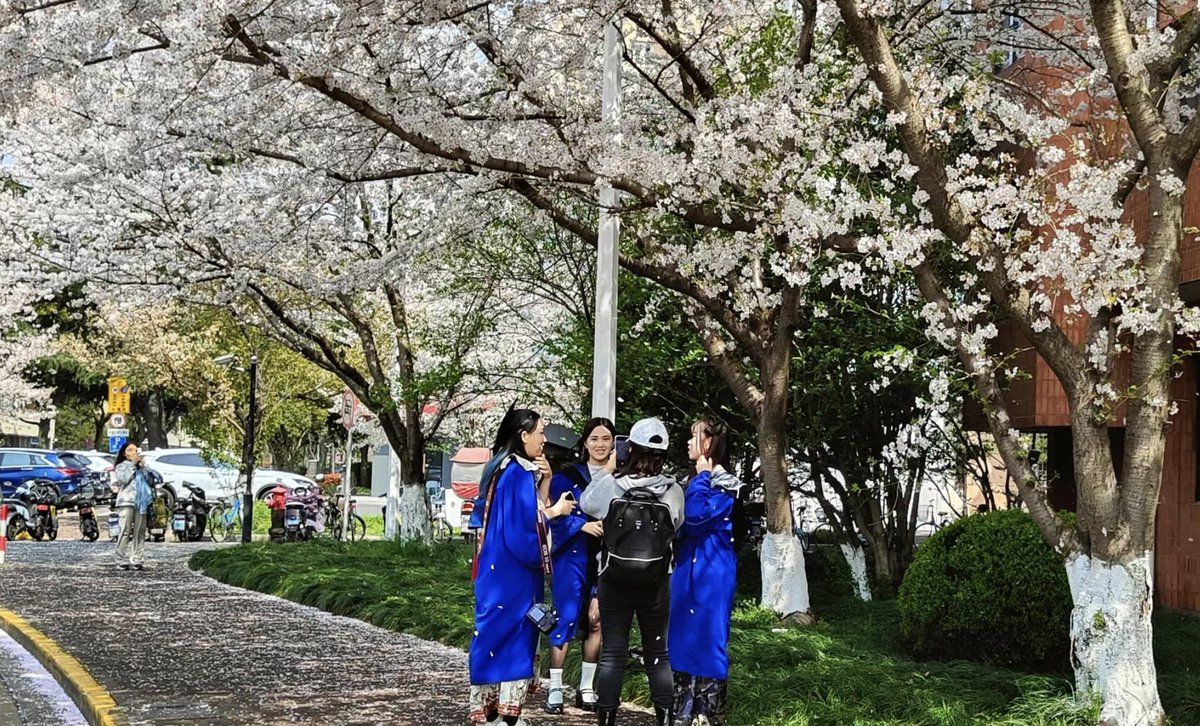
(218, 525)
(358, 528)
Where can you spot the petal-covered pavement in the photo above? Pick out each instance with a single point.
(175, 647)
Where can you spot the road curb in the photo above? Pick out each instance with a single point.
(92, 699)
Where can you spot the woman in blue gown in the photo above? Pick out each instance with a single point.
(704, 581)
(576, 540)
(511, 561)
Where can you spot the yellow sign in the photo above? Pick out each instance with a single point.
(118, 395)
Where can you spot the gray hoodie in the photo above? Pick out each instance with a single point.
(605, 488)
(123, 477)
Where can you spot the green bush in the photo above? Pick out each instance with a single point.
(988, 588)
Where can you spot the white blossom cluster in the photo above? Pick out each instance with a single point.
(189, 149)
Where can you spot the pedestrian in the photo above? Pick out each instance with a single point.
(576, 554)
(131, 483)
(704, 580)
(512, 557)
(641, 508)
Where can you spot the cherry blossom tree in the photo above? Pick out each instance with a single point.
(755, 137)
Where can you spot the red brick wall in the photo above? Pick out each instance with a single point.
(1177, 555)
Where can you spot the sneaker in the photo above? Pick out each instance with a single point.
(124, 567)
(139, 566)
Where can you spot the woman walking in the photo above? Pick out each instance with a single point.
(641, 509)
(576, 540)
(511, 560)
(704, 581)
(132, 486)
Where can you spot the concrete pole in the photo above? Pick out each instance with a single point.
(604, 373)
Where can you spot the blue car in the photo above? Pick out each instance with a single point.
(21, 465)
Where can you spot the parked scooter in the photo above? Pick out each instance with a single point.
(303, 515)
(191, 515)
(83, 501)
(16, 523)
(159, 515)
(40, 498)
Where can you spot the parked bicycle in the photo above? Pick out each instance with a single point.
(443, 531)
(333, 520)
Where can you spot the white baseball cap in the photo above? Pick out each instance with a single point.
(649, 433)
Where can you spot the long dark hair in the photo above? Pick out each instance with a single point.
(718, 433)
(508, 442)
(591, 425)
(643, 462)
(121, 457)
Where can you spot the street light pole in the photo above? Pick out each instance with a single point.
(248, 496)
(604, 371)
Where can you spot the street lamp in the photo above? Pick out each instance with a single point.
(228, 361)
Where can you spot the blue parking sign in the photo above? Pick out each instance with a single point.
(115, 443)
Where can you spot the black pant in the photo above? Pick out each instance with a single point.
(618, 604)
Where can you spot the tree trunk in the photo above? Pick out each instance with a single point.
(1111, 637)
(407, 508)
(150, 413)
(857, 559)
(784, 581)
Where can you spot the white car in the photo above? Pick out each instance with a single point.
(97, 462)
(217, 479)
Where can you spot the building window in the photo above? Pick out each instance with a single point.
(1010, 21)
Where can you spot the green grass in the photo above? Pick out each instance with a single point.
(848, 670)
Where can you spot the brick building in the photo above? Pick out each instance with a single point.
(1038, 404)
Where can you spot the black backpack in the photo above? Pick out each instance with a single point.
(638, 532)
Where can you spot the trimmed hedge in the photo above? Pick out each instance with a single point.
(988, 588)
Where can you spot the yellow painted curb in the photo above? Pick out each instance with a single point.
(96, 704)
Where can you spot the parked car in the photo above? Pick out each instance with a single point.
(217, 479)
(99, 472)
(19, 465)
(97, 462)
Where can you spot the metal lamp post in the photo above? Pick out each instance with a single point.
(604, 372)
(229, 361)
(248, 496)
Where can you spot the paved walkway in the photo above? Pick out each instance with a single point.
(174, 647)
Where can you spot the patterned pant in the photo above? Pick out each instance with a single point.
(504, 698)
(700, 701)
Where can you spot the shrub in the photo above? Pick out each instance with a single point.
(988, 588)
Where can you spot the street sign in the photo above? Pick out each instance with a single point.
(115, 443)
(116, 421)
(118, 395)
(350, 407)
(118, 433)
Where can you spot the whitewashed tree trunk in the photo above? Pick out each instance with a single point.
(414, 514)
(391, 522)
(784, 582)
(856, 557)
(1112, 638)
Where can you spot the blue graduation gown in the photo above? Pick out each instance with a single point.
(570, 584)
(508, 583)
(704, 582)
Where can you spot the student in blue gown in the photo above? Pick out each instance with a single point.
(576, 540)
(511, 562)
(703, 582)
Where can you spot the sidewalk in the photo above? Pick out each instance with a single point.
(174, 647)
